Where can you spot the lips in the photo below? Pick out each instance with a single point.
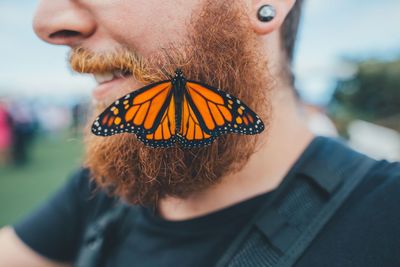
(108, 83)
(109, 76)
(104, 77)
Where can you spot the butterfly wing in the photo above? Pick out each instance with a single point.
(150, 113)
(218, 112)
(139, 112)
(191, 133)
(164, 135)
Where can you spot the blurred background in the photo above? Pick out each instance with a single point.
(348, 75)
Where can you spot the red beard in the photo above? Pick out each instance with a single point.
(221, 51)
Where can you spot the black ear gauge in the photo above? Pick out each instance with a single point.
(266, 13)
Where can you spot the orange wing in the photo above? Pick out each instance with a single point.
(141, 112)
(164, 135)
(191, 133)
(216, 112)
(150, 113)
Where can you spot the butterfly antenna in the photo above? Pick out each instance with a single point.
(165, 72)
(164, 68)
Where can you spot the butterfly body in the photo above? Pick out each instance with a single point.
(177, 110)
(178, 83)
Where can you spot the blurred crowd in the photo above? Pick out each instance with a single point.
(23, 121)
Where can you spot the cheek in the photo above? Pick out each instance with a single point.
(145, 25)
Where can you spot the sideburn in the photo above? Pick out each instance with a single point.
(221, 51)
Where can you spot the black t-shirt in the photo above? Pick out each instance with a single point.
(364, 232)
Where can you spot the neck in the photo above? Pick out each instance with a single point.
(282, 144)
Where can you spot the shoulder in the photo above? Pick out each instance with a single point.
(381, 187)
(376, 197)
(382, 176)
(382, 180)
(375, 202)
(365, 230)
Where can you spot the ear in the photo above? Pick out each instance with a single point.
(282, 8)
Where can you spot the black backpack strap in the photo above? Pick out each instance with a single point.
(299, 208)
(98, 234)
(326, 212)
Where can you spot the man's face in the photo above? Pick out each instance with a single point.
(211, 40)
(108, 25)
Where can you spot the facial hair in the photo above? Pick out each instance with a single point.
(220, 50)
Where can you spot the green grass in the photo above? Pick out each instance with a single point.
(24, 188)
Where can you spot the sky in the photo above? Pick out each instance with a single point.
(329, 32)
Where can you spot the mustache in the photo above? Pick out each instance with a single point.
(122, 60)
(128, 62)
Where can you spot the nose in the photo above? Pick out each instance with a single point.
(63, 22)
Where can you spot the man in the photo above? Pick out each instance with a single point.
(187, 206)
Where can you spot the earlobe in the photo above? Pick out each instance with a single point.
(268, 15)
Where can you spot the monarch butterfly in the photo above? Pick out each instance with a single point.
(181, 111)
